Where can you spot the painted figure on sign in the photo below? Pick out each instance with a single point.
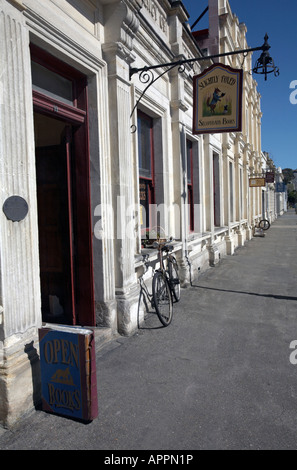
(215, 99)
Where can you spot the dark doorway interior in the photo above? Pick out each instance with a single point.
(55, 196)
(64, 231)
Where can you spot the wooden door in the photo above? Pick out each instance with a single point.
(56, 237)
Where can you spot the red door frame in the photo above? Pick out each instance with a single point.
(77, 115)
(190, 184)
(149, 181)
(69, 188)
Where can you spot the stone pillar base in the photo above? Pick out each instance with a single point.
(214, 255)
(106, 314)
(249, 233)
(20, 382)
(128, 310)
(229, 245)
(241, 237)
(184, 272)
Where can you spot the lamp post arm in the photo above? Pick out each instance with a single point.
(146, 75)
(179, 63)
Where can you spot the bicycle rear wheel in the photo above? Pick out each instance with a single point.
(264, 224)
(162, 298)
(174, 278)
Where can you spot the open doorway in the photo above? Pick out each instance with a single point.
(55, 219)
(63, 192)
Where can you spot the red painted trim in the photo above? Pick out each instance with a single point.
(54, 64)
(152, 155)
(191, 186)
(47, 105)
(70, 216)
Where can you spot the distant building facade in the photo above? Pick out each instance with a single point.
(86, 152)
(294, 181)
(239, 153)
(274, 194)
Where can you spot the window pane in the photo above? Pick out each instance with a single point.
(145, 199)
(51, 84)
(144, 147)
(189, 161)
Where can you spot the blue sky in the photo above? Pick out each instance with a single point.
(278, 19)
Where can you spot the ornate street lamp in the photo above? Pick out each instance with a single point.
(264, 66)
(265, 63)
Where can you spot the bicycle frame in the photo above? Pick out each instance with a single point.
(162, 269)
(170, 272)
(170, 281)
(162, 247)
(143, 286)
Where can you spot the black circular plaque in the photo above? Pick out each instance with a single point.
(15, 208)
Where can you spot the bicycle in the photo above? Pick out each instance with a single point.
(165, 285)
(264, 224)
(172, 272)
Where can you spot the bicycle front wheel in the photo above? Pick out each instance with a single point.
(174, 278)
(264, 224)
(162, 298)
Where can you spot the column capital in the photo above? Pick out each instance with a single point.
(121, 23)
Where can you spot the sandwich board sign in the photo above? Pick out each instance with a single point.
(217, 95)
(68, 372)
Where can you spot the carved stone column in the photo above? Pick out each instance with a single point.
(239, 197)
(229, 238)
(120, 28)
(19, 258)
(178, 108)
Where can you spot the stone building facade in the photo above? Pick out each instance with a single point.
(281, 205)
(274, 194)
(86, 150)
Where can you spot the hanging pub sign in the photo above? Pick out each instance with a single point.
(257, 182)
(217, 103)
(269, 177)
(68, 372)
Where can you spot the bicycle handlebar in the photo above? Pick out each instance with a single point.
(163, 246)
(145, 258)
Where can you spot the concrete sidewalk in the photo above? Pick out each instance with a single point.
(219, 377)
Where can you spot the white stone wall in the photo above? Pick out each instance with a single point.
(19, 267)
(102, 40)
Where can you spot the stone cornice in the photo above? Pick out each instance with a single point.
(177, 8)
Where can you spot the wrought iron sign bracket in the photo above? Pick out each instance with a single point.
(264, 66)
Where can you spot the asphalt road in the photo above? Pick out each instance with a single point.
(221, 376)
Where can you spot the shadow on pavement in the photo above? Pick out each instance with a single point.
(273, 296)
